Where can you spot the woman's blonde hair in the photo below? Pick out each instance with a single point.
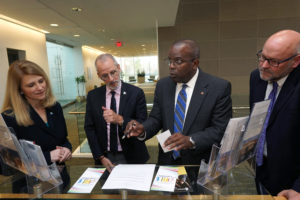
(14, 100)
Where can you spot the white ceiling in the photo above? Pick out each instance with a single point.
(133, 22)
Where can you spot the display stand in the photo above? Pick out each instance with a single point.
(28, 158)
(237, 146)
(210, 176)
(39, 187)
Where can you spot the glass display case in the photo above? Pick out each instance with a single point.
(243, 187)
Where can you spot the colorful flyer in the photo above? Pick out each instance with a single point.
(87, 180)
(165, 179)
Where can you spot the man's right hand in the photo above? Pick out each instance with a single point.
(107, 164)
(134, 128)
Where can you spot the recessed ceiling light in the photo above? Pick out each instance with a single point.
(76, 35)
(112, 38)
(75, 9)
(143, 45)
(54, 25)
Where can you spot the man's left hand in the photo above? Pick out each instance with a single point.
(178, 142)
(111, 117)
(290, 194)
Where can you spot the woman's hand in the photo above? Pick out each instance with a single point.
(67, 154)
(60, 154)
(56, 155)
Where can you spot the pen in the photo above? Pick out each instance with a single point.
(127, 132)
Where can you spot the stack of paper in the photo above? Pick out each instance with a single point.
(132, 177)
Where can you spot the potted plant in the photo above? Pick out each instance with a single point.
(141, 76)
(80, 80)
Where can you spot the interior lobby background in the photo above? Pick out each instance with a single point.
(229, 33)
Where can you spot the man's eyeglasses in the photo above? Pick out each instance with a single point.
(113, 73)
(274, 63)
(177, 61)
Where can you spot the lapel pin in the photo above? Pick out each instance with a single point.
(124, 93)
(51, 113)
(202, 93)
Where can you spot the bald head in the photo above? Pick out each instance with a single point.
(283, 43)
(282, 48)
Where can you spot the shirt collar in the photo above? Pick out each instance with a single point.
(118, 90)
(281, 81)
(192, 82)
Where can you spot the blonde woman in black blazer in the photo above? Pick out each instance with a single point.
(31, 110)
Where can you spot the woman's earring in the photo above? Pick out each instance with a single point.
(21, 93)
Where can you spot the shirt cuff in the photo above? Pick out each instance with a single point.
(142, 137)
(193, 142)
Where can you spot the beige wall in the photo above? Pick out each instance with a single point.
(89, 56)
(229, 33)
(18, 37)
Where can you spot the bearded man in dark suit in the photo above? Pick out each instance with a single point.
(108, 110)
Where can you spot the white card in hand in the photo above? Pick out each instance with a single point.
(162, 138)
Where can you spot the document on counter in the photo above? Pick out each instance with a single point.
(162, 137)
(132, 177)
(87, 180)
(165, 179)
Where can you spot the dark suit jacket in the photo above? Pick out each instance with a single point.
(46, 137)
(132, 106)
(281, 168)
(206, 119)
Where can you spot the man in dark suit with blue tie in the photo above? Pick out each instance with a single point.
(278, 150)
(108, 110)
(192, 104)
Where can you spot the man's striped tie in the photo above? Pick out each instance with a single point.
(179, 115)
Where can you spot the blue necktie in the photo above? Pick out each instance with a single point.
(262, 138)
(179, 115)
